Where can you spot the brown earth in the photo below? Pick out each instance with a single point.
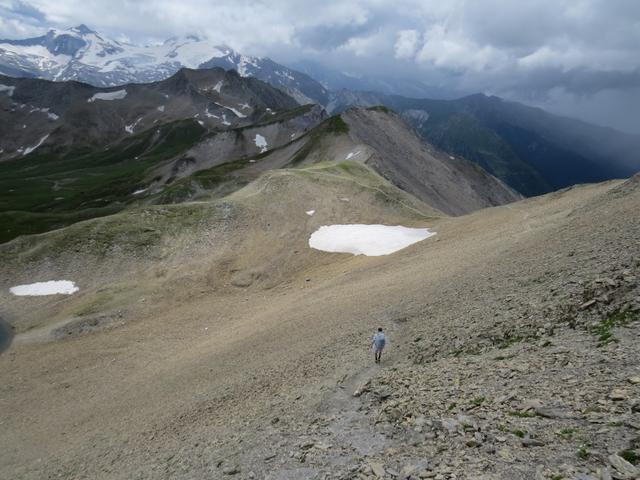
(225, 347)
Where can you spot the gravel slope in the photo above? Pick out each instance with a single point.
(238, 348)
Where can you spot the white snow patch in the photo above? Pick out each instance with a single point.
(292, 135)
(161, 108)
(285, 74)
(138, 192)
(369, 240)
(8, 89)
(224, 120)
(53, 287)
(117, 95)
(28, 150)
(352, 154)
(310, 212)
(218, 86)
(52, 116)
(261, 143)
(244, 106)
(129, 128)
(201, 123)
(236, 112)
(207, 113)
(451, 157)
(242, 65)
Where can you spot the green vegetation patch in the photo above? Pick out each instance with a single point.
(51, 190)
(222, 178)
(630, 456)
(583, 453)
(604, 329)
(567, 432)
(379, 108)
(331, 126)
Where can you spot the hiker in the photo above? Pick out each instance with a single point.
(377, 343)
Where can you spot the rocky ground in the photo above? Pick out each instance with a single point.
(513, 354)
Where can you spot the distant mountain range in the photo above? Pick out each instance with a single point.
(531, 150)
(82, 54)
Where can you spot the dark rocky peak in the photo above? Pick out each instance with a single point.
(82, 29)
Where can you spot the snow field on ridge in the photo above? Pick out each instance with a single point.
(369, 240)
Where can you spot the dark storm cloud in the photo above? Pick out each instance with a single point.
(324, 38)
(24, 9)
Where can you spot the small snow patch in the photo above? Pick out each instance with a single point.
(236, 112)
(138, 192)
(352, 154)
(161, 108)
(244, 106)
(261, 143)
(52, 116)
(224, 120)
(8, 89)
(452, 158)
(117, 95)
(369, 240)
(218, 86)
(310, 212)
(28, 150)
(53, 287)
(201, 123)
(130, 128)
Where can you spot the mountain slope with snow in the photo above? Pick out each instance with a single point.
(82, 54)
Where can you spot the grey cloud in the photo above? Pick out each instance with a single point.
(325, 38)
(24, 9)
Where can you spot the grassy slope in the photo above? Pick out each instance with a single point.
(42, 192)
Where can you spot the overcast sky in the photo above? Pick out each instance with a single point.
(578, 57)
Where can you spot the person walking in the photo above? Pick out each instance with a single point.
(377, 343)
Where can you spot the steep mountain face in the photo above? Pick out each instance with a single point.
(380, 139)
(373, 137)
(53, 115)
(84, 55)
(529, 149)
(72, 151)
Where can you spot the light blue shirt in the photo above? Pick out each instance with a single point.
(379, 340)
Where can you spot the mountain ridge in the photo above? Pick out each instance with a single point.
(80, 53)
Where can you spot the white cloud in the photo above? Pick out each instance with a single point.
(452, 50)
(407, 44)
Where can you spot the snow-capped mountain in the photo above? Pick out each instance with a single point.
(82, 54)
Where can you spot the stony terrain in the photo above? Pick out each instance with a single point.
(223, 347)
